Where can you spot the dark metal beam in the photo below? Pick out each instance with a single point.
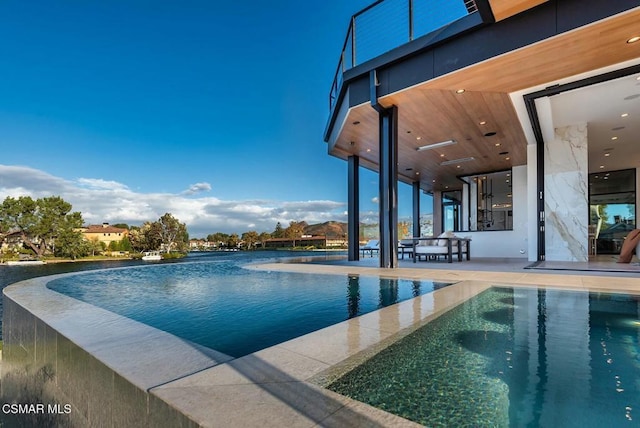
(416, 208)
(353, 208)
(388, 191)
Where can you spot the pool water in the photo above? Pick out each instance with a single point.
(237, 311)
(513, 357)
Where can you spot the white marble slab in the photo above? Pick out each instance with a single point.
(567, 195)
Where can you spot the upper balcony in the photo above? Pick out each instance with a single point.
(388, 24)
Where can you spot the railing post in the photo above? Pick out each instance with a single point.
(353, 41)
(410, 20)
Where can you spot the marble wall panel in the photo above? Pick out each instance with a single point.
(566, 194)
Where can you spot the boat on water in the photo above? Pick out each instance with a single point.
(25, 262)
(150, 256)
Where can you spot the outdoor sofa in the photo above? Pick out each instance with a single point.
(445, 245)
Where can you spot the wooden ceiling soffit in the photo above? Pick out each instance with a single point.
(585, 49)
(503, 9)
(428, 116)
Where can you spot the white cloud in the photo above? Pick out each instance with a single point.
(99, 184)
(197, 188)
(102, 200)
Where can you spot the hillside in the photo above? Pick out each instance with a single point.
(330, 229)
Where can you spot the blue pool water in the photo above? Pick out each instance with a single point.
(219, 304)
(513, 357)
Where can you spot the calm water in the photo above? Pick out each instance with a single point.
(513, 357)
(215, 302)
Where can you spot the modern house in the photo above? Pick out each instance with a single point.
(520, 117)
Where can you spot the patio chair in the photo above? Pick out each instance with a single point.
(405, 246)
(370, 247)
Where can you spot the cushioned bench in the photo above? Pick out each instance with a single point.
(433, 247)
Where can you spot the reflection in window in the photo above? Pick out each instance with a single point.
(451, 207)
(612, 208)
(491, 206)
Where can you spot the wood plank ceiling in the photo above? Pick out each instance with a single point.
(433, 112)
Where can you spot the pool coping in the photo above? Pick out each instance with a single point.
(282, 384)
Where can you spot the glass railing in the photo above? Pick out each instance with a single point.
(387, 24)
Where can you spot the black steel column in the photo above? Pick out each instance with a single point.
(353, 208)
(416, 209)
(388, 191)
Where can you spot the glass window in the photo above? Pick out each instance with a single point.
(451, 210)
(490, 201)
(612, 208)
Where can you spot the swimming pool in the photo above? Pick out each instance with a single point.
(236, 311)
(513, 357)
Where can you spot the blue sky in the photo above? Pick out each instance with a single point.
(211, 110)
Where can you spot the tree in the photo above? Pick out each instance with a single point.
(250, 239)
(69, 241)
(38, 222)
(95, 246)
(170, 232)
(278, 232)
(233, 240)
(263, 238)
(295, 231)
(218, 238)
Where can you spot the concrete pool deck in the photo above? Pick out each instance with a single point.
(278, 386)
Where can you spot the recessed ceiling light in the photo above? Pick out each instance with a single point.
(417, 172)
(614, 138)
(434, 181)
(633, 39)
(497, 144)
(442, 155)
(484, 122)
(624, 115)
(607, 155)
(601, 166)
(507, 181)
(460, 91)
(446, 187)
(606, 178)
(418, 138)
(507, 158)
(458, 166)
